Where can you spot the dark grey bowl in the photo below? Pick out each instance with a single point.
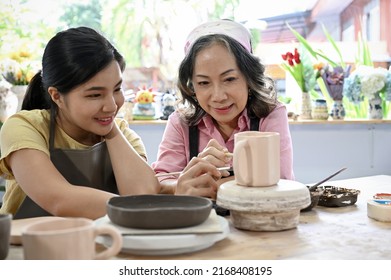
(315, 195)
(158, 211)
(338, 197)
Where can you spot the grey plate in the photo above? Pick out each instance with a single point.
(158, 211)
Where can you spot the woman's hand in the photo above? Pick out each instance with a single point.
(113, 132)
(216, 154)
(199, 178)
(129, 166)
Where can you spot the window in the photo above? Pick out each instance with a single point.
(371, 20)
(348, 31)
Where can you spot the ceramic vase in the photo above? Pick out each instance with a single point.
(338, 110)
(306, 106)
(126, 111)
(8, 102)
(20, 92)
(320, 110)
(375, 109)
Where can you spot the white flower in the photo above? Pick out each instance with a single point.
(4, 86)
(372, 80)
(8, 65)
(18, 73)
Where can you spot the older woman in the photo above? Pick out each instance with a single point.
(224, 91)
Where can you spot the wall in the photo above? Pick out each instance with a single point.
(321, 149)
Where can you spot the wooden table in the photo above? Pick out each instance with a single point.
(323, 233)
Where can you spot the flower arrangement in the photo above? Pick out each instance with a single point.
(299, 65)
(370, 83)
(367, 82)
(364, 84)
(18, 69)
(332, 74)
(333, 79)
(369, 87)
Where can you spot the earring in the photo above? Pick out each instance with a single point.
(195, 98)
(250, 95)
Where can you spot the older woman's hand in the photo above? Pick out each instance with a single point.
(216, 154)
(199, 178)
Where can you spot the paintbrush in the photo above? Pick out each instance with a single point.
(179, 172)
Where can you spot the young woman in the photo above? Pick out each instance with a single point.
(224, 91)
(65, 153)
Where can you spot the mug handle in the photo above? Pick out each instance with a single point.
(239, 146)
(116, 243)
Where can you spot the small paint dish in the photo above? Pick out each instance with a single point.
(382, 196)
(338, 197)
(379, 208)
(383, 201)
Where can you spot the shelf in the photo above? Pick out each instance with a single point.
(291, 122)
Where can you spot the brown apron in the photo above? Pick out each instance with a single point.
(91, 167)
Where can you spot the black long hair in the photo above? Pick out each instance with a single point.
(71, 58)
(262, 91)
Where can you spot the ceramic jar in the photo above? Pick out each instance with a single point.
(8, 101)
(338, 110)
(375, 108)
(5, 234)
(306, 106)
(20, 92)
(126, 111)
(320, 110)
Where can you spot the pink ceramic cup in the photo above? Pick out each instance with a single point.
(68, 239)
(256, 160)
(5, 232)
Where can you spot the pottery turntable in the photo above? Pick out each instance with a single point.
(272, 208)
(258, 199)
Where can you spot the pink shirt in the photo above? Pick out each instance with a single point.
(174, 150)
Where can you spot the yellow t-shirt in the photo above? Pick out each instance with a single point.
(30, 129)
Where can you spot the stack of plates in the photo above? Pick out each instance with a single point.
(169, 241)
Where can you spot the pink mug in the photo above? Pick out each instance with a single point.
(68, 239)
(256, 160)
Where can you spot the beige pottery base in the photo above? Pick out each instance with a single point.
(273, 208)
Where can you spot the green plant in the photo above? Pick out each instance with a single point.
(285, 99)
(363, 53)
(319, 53)
(300, 66)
